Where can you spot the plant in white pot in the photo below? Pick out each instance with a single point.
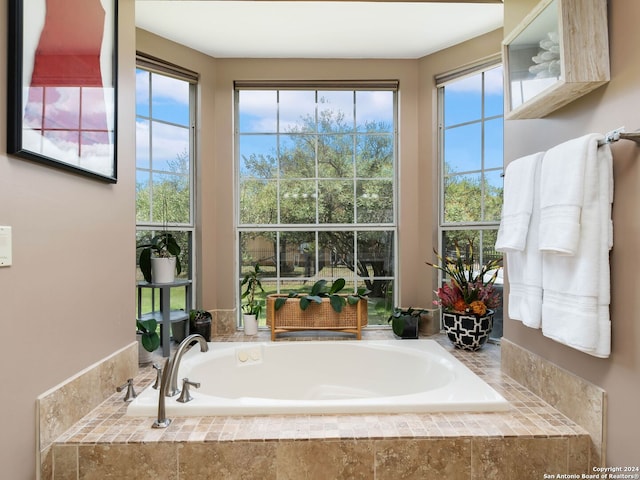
(160, 258)
(252, 306)
(148, 338)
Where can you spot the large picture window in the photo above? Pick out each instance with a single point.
(471, 163)
(316, 188)
(165, 122)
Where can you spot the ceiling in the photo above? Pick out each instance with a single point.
(328, 29)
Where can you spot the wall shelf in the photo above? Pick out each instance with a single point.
(558, 53)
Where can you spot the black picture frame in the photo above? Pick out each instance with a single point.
(62, 84)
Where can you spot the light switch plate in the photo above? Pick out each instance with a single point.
(5, 246)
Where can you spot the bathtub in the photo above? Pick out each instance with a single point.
(324, 377)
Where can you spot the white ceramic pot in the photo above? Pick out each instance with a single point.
(250, 324)
(163, 270)
(144, 357)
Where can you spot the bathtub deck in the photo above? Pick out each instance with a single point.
(529, 440)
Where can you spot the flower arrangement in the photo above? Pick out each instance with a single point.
(467, 291)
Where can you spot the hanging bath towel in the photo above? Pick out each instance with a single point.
(518, 239)
(575, 238)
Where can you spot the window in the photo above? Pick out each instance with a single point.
(471, 163)
(165, 118)
(316, 188)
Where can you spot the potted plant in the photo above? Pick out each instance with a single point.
(252, 307)
(323, 308)
(148, 339)
(321, 290)
(200, 322)
(159, 259)
(467, 298)
(405, 322)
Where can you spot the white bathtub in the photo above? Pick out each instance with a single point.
(316, 377)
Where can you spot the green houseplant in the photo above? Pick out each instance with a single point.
(147, 332)
(252, 306)
(405, 322)
(160, 257)
(320, 290)
(467, 298)
(200, 322)
(163, 245)
(322, 308)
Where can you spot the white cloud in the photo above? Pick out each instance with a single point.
(492, 83)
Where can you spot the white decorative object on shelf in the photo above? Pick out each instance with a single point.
(557, 54)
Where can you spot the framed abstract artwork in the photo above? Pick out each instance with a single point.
(61, 102)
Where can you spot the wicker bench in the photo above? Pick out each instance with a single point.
(290, 317)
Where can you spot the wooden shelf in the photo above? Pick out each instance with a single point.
(558, 53)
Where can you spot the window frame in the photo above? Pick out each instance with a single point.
(316, 229)
(482, 226)
(157, 66)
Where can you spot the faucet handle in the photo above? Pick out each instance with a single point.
(131, 393)
(158, 381)
(185, 396)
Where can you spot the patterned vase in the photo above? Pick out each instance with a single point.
(467, 331)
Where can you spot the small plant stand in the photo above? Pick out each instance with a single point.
(165, 316)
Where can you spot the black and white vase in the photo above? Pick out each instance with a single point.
(466, 330)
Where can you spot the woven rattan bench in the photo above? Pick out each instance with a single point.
(290, 317)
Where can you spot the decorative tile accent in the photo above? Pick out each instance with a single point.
(576, 398)
(512, 444)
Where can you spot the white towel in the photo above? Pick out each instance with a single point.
(576, 279)
(523, 265)
(562, 193)
(517, 203)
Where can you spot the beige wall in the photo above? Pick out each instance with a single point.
(444, 61)
(608, 107)
(67, 301)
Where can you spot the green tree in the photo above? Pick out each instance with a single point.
(354, 172)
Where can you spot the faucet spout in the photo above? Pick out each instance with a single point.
(169, 380)
(173, 389)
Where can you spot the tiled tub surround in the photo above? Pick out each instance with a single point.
(578, 399)
(531, 439)
(59, 408)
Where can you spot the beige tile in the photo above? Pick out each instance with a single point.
(578, 455)
(323, 460)
(46, 464)
(425, 458)
(65, 462)
(133, 462)
(63, 406)
(224, 322)
(517, 458)
(581, 401)
(227, 461)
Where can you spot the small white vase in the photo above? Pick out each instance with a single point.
(163, 270)
(250, 324)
